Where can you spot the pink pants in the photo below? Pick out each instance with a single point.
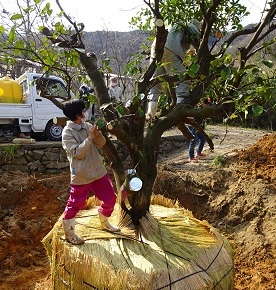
(103, 190)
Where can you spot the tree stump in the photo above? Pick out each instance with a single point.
(172, 250)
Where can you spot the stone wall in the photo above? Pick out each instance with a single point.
(40, 157)
(50, 157)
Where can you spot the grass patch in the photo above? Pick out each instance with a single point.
(219, 161)
(9, 150)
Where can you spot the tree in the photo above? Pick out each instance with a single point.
(229, 79)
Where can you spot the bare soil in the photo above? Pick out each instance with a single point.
(233, 188)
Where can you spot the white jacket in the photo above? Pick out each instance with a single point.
(115, 93)
(86, 164)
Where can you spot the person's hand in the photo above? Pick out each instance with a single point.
(94, 131)
(148, 117)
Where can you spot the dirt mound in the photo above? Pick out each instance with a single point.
(35, 203)
(260, 159)
(238, 198)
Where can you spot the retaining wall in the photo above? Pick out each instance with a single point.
(49, 157)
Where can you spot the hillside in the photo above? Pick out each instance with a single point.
(119, 48)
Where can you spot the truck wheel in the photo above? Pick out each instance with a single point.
(53, 132)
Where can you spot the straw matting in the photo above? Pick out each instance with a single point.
(173, 250)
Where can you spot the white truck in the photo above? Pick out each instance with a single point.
(34, 114)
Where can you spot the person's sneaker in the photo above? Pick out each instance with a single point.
(201, 155)
(193, 160)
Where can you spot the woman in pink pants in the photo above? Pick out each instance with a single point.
(81, 141)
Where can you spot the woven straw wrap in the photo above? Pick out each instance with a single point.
(173, 250)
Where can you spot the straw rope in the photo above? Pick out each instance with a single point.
(170, 250)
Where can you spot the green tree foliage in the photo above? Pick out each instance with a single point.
(243, 77)
(235, 82)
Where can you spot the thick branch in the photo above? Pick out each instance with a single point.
(268, 18)
(161, 36)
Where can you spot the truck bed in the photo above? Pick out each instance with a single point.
(15, 111)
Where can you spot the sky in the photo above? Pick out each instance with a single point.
(115, 15)
(105, 15)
